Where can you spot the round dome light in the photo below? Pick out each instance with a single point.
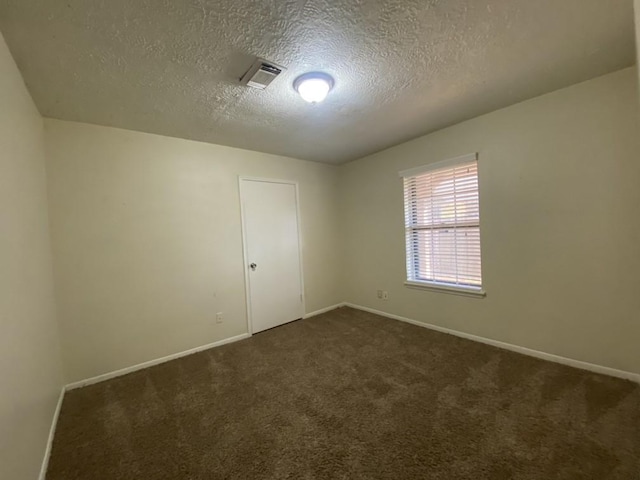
(313, 87)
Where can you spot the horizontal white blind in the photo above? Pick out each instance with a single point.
(442, 222)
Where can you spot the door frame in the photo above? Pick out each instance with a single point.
(245, 253)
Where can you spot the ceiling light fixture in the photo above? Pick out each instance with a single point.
(314, 86)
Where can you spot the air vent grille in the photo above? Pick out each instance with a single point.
(261, 74)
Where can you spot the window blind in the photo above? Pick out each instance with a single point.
(442, 223)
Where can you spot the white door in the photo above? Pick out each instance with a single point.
(272, 253)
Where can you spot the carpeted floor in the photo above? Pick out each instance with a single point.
(350, 395)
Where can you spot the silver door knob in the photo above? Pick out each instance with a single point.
(253, 266)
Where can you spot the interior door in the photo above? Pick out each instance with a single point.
(272, 253)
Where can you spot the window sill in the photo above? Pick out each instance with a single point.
(453, 290)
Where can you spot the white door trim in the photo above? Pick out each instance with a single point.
(245, 254)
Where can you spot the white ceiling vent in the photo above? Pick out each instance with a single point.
(261, 74)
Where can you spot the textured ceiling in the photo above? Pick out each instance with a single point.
(402, 68)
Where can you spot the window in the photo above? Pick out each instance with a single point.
(442, 225)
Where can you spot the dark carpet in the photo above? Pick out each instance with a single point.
(350, 395)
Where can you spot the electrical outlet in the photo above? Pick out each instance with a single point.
(379, 293)
(385, 295)
(219, 317)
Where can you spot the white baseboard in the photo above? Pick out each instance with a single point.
(118, 373)
(52, 432)
(151, 363)
(323, 310)
(506, 346)
(635, 377)
(157, 361)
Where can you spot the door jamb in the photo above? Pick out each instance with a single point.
(245, 254)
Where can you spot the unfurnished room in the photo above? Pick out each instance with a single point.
(313, 239)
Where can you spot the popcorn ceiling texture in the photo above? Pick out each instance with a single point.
(402, 68)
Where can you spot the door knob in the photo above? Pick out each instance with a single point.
(253, 266)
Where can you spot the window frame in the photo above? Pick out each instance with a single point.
(434, 285)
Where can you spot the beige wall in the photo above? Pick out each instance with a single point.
(147, 241)
(637, 15)
(560, 225)
(30, 364)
